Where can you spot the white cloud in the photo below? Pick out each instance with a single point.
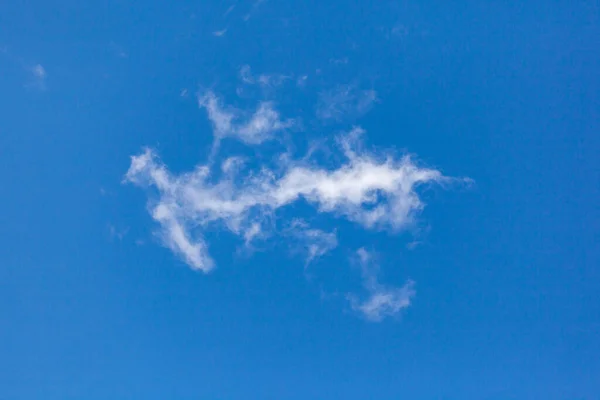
(316, 242)
(254, 231)
(229, 9)
(38, 71)
(118, 50)
(382, 301)
(301, 81)
(338, 61)
(263, 80)
(177, 237)
(255, 5)
(345, 102)
(246, 75)
(220, 33)
(232, 165)
(39, 76)
(116, 233)
(373, 191)
(251, 129)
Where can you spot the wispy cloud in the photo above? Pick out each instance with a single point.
(251, 129)
(229, 10)
(116, 233)
(315, 242)
(38, 71)
(37, 74)
(38, 77)
(339, 61)
(345, 102)
(381, 301)
(255, 6)
(368, 189)
(220, 32)
(246, 75)
(118, 50)
(301, 81)
(177, 236)
(263, 80)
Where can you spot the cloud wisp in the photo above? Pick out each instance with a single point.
(38, 71)
(344, 102)
(37, 74)
(381, 301)
(252, 129)
(315, 242)
(220, 32)
(38, 77)
(263, 80)
(372, 191)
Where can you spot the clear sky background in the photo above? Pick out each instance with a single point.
(486, 286)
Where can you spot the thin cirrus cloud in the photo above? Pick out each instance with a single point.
(251, 129)
(264, 80)
(219, 33)
(37, 74)
(316, 242)
(381, 301)
(38, 71)
(344, 102)
(38, 77)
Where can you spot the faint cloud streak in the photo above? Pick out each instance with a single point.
(344, 102)
(381, 301)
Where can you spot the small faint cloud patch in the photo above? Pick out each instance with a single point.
(117, 233)
(38, 77)
(396, 32)
(220, 33)
(301, 81)
(36, 73)
(314, 242)
(381, 301)
(263, 80)
(339, 61)
(251, 129)
(344, 102)
(229, 10)
(253, 9)
(39, 71)
(414, 244)
(399, 31)
(118, 50)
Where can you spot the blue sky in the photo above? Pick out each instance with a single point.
(299, 200)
